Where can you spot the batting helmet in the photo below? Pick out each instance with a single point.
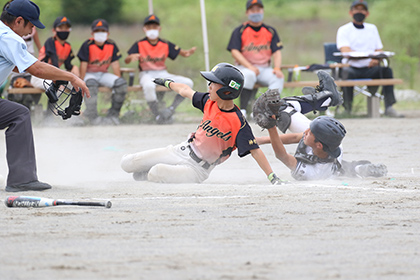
(227, 75)
(60, 95)
(329, 132)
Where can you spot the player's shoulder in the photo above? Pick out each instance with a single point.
(269, 28)
(370, 26)
(110, 41)
(346, 26)
(88, 42)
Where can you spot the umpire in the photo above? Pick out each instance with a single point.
(17, 20)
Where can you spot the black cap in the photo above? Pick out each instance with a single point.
(99, 24)
(61, 21)
(151, 19)
(27, 10)
(250, 3)
(329, 132)
(359, 2)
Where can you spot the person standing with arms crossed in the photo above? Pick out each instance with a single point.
(253, 44)
(17, 20)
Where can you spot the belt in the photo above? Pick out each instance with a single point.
(198, 160)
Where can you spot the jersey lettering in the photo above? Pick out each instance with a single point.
(212, 131)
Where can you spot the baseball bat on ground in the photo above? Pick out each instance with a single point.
(29, 201)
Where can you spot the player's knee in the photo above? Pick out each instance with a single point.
(127, 163)
(93, 85)
(387, 72)
(156, 174)
(120, 86)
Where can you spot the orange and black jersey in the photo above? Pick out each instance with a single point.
(98, 57)
(221, 132)
(153, 56)
(56, 54)
(257, 44)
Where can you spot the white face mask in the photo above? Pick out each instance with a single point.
(152, 34)
(100, 37)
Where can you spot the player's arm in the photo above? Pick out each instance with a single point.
(187, 53)
(277, 64)
(83, 69)
(182, 89)
(290, 138)
(132, 57)
(262, 161)
(46, 71)
(279, 149)
(36, 40)
(116, 68)
(240, 58)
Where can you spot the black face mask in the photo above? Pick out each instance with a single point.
(359, 17)
(63, 35)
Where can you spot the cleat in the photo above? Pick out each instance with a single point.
(328, 86)
(371, 170)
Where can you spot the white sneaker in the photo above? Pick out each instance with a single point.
(243, 112)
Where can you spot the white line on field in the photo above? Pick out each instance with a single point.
(181, 197)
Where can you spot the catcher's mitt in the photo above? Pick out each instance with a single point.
(267, 105)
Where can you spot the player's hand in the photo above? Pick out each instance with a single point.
(275, 180)
(278, 72)
(163, 82)
(135, 56)
(189, 52)
(373, 63)
(254, 69)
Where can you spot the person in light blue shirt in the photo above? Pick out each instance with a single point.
(17, 20)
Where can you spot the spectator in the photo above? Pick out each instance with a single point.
(359, 36)
(253, 44)
(151, 53)
(96, 55)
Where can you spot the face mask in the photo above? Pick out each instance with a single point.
(100, 37)
(63, 35)
(256, 17)
(359, 17)
(152, 34)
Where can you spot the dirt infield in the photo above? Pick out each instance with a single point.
(233, 226)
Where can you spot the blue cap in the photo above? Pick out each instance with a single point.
(27, 10)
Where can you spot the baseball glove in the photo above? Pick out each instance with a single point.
(267, 105)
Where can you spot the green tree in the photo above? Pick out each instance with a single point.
(85, 11)
(398, 25)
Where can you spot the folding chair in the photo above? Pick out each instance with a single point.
(329, 50)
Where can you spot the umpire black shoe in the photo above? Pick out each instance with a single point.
(30, 186)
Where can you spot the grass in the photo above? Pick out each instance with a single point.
(303, 27)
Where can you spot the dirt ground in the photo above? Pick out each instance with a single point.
(233, 226)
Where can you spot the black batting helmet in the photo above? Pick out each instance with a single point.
(329, 132)
(227, 75)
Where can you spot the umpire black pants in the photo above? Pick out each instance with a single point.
(20, 151)
(377, 72)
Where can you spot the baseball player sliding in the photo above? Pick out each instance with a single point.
(223, 129)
